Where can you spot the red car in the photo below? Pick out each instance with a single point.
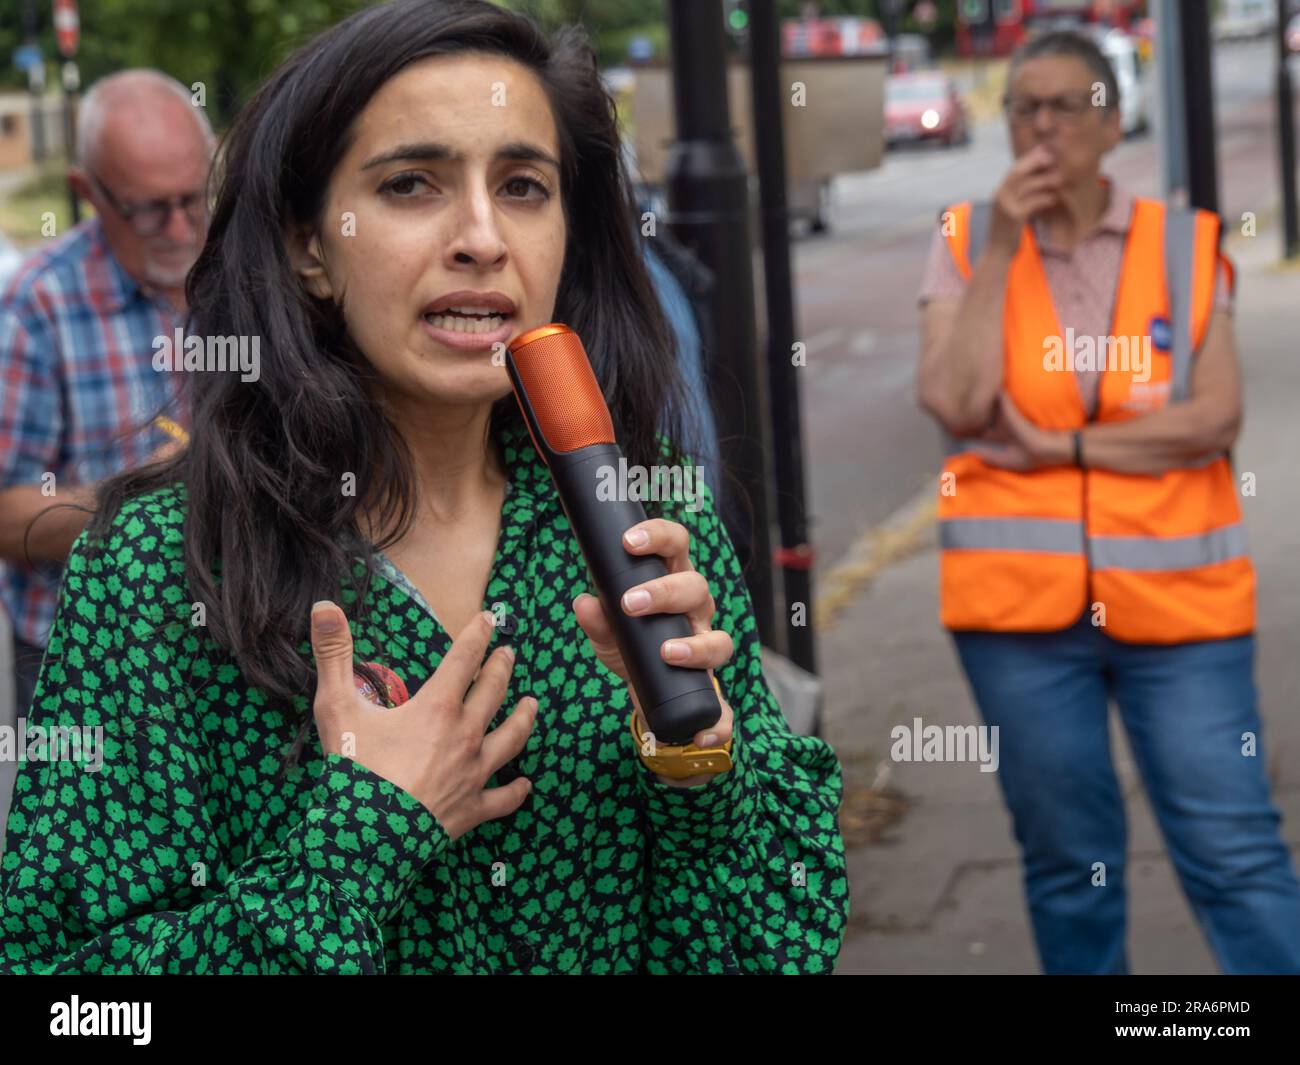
(924, 105)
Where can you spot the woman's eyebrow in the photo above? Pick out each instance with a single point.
(432, 151)
(525, 152)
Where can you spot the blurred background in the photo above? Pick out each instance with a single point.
(830, 200)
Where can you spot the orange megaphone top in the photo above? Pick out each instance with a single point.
(556, 375)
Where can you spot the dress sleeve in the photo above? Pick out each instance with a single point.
(117, 867)
(747, 872)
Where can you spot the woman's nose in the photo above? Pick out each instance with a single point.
(477, 238)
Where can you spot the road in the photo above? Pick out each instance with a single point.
(868, 448)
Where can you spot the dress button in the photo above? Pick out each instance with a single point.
(508, 625)
(523, 953)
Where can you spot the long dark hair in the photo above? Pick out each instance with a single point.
(267, 529)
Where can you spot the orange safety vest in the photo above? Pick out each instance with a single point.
(1163, 555)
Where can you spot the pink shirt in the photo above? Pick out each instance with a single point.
(1082, 279)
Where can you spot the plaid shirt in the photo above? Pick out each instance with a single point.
(76, 382)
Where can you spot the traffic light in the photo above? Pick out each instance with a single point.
(737, 16)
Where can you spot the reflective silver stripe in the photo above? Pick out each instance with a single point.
(955, 445)
(1180, 247)
(1053, 535)
(981, 214)
(1167, 552)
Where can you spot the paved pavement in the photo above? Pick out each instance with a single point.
(940, 891)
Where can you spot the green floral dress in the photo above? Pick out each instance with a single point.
(192, 851)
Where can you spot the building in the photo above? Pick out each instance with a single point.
(996, 27)
(16, 128)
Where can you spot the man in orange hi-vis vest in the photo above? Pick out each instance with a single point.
(1077, 350)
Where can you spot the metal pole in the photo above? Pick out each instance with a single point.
(35, 83)
(889, 23)
(1286, 137)
(1172, 123)
(795, 555)
(1198, 93)
(71, 83)
(708, 201)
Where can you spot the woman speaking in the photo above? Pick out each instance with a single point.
(406, 194)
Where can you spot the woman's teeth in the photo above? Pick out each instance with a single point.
(463, 323)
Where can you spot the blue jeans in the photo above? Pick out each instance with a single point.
(1185, 708)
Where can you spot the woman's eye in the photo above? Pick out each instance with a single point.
(403, 185)
(523, 188)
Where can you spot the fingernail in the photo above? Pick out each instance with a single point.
(325, 620)
(675, 650)
(710, 739)
(487, 616)
(637, 599)
(637, 537)
(509, 652)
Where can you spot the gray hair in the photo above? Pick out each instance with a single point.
(1076, 45)
(123, 87)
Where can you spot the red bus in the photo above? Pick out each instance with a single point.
(996, 27)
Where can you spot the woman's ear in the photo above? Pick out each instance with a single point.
(309, 264)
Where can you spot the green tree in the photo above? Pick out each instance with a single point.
(227, 46)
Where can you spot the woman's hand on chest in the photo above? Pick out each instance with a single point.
(435, 746)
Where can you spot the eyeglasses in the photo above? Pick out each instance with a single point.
(1068, 106)
(151, 218)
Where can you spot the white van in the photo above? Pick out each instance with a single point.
(1121, 50)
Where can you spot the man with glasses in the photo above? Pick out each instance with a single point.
(1077, 350)
(78, 392)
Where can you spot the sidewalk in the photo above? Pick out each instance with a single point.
(939, 889)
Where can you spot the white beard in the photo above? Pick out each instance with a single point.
(166, 276)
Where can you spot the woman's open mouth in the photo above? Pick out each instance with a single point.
(469, 327)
